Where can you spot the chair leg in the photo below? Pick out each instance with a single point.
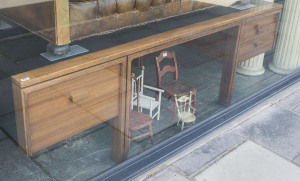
(151, 133)
(150, 113)
(178, 122)
(194, 103)
(129, 136)
(174, 111)
(140, 62)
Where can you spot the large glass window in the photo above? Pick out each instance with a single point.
(87, 84)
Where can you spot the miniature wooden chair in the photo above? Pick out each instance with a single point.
(139, 120)
(146, 102)
(174, 86)
(183, 106)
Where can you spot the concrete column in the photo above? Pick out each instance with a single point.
(4, 25)
(287, 52)
(253, 66)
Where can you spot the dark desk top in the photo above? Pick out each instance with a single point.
(124, 42)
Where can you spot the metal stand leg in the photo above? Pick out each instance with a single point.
(58, 50)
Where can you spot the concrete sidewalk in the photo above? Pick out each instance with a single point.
(263, 144)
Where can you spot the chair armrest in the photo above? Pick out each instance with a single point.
(147, 97)
(153, 88)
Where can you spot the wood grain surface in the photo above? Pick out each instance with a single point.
(85, 61)
(58, 109)
(63, 99)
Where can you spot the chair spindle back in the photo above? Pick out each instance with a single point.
(183, 103)
(135, 85)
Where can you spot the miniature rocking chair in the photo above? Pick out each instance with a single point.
(139, 120)
(183, 106)
(146, 102)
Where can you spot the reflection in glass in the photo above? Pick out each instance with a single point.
(71, 116)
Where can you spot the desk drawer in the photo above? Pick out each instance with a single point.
(258, 35)
(255, 48)
(249, 37)
(60, 110)
(259, 22)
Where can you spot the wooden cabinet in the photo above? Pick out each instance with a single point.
(57, 109)
(258, 35)
(57, 101)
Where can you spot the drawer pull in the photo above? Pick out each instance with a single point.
(78, 95)
(258, 44)
(258, 30)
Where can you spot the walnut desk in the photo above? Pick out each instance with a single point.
(60, 100)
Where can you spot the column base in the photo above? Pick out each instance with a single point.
(58, 50)
(280, 70)
(249, 71)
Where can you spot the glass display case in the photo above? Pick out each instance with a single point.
(88, 84)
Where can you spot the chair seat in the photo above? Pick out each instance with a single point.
(138, 120)
(187, 117)
(179, 88)
(145, 103)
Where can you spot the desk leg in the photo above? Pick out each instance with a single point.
(119, 140)
(229, 66)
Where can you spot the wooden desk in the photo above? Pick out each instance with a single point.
(57, 101)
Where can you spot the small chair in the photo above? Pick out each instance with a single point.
(139, 120)
(146, 102)
(174, 86)
(183, 106)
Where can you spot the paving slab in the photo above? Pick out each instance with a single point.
(297, 109)
(251, 162)
(297, 92)
(170, 173)
(14, 165)
(297, 160)
(275, 128)
(199, 158)
(291, 101)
